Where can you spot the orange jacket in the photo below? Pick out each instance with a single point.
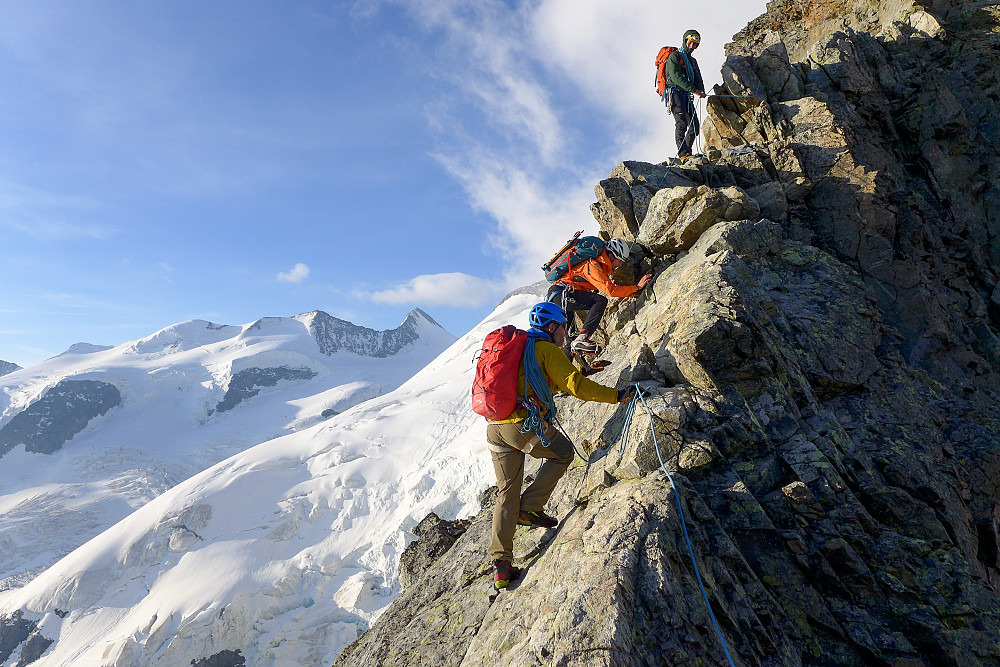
(595, 274)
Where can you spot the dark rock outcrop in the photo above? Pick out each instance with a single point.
(248, 383)
(820, 348)
(434, 537)
(227, 658)
(62, 412)
(7, 367)
(15, 631)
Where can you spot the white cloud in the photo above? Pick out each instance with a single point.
(485, 55)
(459, 290)
(545, 78)
(298, 273)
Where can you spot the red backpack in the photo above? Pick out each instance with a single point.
(661, 63)
(494, 391)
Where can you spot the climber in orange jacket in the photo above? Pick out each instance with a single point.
(587, 286)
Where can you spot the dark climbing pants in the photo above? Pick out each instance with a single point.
(508, 447)
(575, 300)
(685, 121)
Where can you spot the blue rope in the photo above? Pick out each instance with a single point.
(687, 538)
(623, 429)
(626, 422)
(534, 378)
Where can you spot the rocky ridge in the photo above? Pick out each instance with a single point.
(60, 413)
(820, 347)
(332, 334)
(7, 367)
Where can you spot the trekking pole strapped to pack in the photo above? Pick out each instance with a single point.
(548, 264)
(578, 249)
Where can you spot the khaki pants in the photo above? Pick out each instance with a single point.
(508, 463)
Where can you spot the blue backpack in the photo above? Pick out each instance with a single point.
(578, 249)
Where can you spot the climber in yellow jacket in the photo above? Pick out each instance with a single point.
(511, 438)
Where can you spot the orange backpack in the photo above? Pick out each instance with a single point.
(661, 63)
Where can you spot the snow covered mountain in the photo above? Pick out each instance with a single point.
(279, 555)
(8, 367)
(94, 433)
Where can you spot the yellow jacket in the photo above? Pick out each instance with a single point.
(562, 376)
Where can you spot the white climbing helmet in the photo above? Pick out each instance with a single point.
(618, 248)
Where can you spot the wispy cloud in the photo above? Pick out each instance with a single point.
(545, 76)
(451, 289)
(47, 216)
(80, 301)
(298, 273)
(482, 51)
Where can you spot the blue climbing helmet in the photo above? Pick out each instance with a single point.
(546, 312)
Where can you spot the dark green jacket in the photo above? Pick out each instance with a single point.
(678, 77)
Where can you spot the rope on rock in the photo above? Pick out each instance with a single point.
(687, 538)
(623, 430)
(624, 436)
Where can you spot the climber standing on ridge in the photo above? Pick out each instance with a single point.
(587, 286)
(541, 367)
(683, 79)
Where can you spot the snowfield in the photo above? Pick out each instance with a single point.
(169, 424)
(285, 551)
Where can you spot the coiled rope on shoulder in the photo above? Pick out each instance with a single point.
(533, 377)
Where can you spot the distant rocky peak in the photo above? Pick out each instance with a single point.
(9, 367)
(333, 334)
(416, 316)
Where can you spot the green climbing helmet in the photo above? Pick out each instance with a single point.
(693, 35)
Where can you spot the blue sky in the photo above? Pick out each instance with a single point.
(165, 161)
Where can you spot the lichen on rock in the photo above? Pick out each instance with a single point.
(820, 347)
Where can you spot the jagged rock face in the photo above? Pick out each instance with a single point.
(801, 24)
(434, 537)
(225, 658)
(7, 367)
(15, 631)
(62, 412)
(896, 135)
(247, 383)
(332, 334)
(822, 381)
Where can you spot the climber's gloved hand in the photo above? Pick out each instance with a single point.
(595, 366)
(627, 394)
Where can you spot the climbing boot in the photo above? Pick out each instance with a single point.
(536, 519)
(504, 573)
(585, 347)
